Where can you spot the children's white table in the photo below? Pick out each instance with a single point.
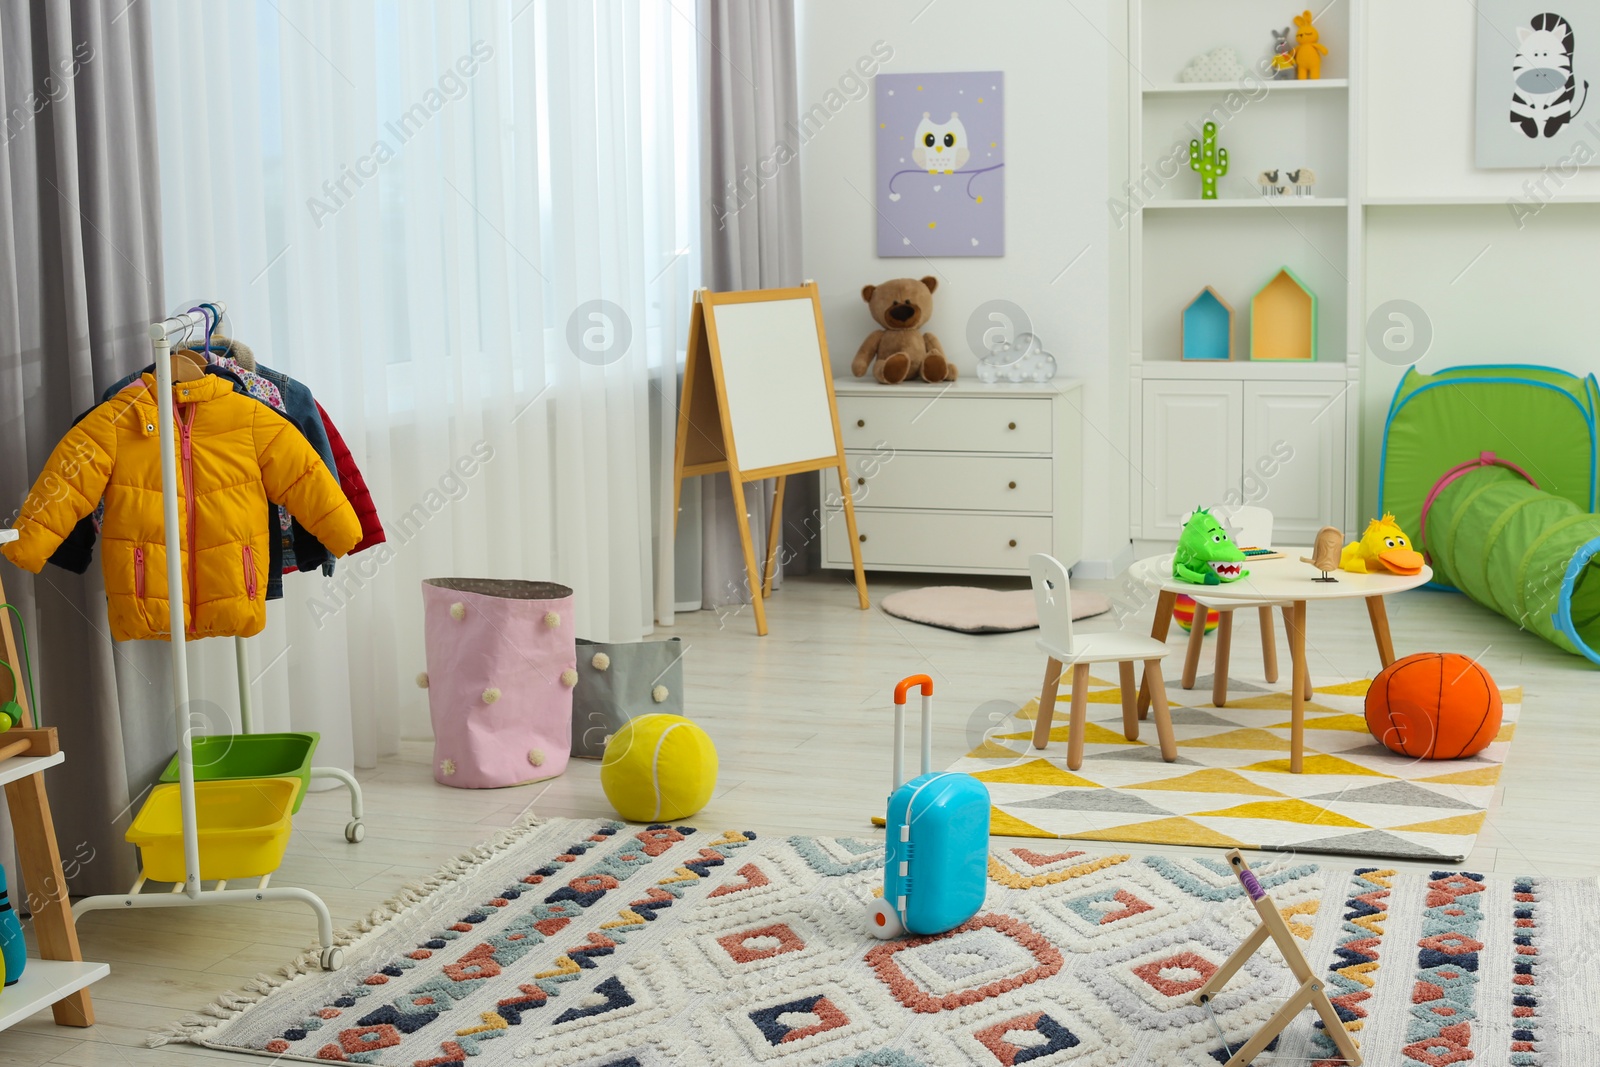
(1284, 580)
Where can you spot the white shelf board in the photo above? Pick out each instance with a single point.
(1295, 86)
(43, 983)
(1473, 201)
(1245, 369)
(1256, 202)
(20, 767)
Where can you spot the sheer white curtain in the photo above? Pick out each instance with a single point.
(466, 227)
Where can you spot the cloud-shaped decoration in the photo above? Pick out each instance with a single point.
(1221, 64)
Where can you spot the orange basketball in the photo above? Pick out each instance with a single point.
(1434, 705)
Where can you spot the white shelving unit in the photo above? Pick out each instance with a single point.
(44, 982)
(1279, 433)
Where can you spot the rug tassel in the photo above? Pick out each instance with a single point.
(228, 1005)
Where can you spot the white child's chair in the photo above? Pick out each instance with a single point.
(1251, 528)
(1053, 598)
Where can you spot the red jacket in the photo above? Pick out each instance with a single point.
(354, 486)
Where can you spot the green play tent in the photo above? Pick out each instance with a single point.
(1494, 469)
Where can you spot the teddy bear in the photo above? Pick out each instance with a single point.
(901, 350)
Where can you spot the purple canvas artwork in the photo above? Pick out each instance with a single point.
(941, 164)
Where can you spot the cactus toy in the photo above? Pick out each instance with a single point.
(1208, 161)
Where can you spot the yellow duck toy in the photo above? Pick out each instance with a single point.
(1382, 548)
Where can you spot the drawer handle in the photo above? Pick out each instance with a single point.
(861, 422)
(1011, 485)
(1011, 426)
(861, 481)
(1013, 542)
(862, 538)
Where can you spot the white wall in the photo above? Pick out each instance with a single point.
(1058, 131)
(1507, 280)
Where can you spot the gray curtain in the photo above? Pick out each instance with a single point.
(80, 281)
(750, 239)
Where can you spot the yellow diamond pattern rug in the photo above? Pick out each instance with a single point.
(1231, 785)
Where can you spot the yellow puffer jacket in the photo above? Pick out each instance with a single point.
(234, 455)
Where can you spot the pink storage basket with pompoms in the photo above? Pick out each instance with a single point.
(501, 667)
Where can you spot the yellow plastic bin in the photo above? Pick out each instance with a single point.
(243, 828)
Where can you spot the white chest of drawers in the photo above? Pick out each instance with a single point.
(965, 478)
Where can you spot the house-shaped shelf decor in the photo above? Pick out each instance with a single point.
(1208, 327)
(1283, 319)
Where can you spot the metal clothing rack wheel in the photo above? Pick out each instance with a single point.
(191, 892)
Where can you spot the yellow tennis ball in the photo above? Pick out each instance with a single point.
(658, 768)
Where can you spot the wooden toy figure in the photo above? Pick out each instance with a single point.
(1208, 161)
(1325, 552)
(1304, 180)
(1309, 50)
(1270, 182)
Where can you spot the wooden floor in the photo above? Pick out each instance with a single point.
(802, 726)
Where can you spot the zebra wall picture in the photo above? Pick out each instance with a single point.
(1533, 83)
(1545, 95)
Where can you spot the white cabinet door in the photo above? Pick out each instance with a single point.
(1294, 456)
(1191, 451)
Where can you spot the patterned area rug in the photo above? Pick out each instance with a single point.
(605, 945)
(1231, 785)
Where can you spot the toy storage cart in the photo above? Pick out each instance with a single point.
(245, 821)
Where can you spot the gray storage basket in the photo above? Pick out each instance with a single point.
(633, 675)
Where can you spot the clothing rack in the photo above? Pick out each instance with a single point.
(191, 892)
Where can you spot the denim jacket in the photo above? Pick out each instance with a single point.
(302, 550)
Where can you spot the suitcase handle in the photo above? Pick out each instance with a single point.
(900, 690)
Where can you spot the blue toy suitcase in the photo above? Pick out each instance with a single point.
(936, 871)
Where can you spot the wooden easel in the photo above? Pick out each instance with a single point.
(37, 852)
(1312, 990)
(706, 432)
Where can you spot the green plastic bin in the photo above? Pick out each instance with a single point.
(223, 757)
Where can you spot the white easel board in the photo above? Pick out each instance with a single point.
(758, 403)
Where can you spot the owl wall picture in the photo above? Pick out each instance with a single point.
(941, 147)
(941, 164)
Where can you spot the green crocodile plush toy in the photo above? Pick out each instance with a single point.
(1206, 555)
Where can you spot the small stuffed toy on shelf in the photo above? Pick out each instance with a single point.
(1384, 548)
(1308, 50)
(1206, 554)
(901, 350)
(1282, 62)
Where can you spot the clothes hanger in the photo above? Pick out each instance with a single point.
(213, 322)
(213, 325)
(187, 365)
(230, 347)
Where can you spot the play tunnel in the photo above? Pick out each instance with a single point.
(1494, 535)
(1495, 470)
